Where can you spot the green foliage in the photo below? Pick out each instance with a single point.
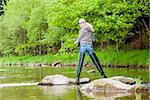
(67, 44)
(40, 26)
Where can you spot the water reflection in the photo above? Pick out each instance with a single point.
(57, 90)
(61, 91)
(78, 92)
(106, 96)
(2, 77)
(18, 84)
(138, 96)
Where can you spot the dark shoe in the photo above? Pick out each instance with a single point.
(104, 76)
(77, 82)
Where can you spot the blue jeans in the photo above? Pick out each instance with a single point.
(89, 49)
(82, 50)
(86, 48)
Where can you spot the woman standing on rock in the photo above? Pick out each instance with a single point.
(85, 39)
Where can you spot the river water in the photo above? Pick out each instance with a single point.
(19, 83)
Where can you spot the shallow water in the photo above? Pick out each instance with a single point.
(19, 83)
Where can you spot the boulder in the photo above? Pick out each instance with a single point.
(61, 80)
(114, 84)
(123, 79)
(106, 85)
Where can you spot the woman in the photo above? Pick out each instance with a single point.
(85, 39)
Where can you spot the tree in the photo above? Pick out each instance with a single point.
(32, 27)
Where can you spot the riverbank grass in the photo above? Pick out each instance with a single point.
(107, 57)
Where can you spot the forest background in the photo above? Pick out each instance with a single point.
(45, 30)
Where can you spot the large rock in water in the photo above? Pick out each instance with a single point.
(113, 84)
(60, 80)
(114, 87)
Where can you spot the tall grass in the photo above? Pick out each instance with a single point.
(134, 57)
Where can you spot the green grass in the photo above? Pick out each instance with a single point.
(133, 57)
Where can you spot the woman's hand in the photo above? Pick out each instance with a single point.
(75, 42)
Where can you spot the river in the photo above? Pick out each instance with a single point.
(19, 83)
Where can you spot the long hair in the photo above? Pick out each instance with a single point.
(91, 27)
